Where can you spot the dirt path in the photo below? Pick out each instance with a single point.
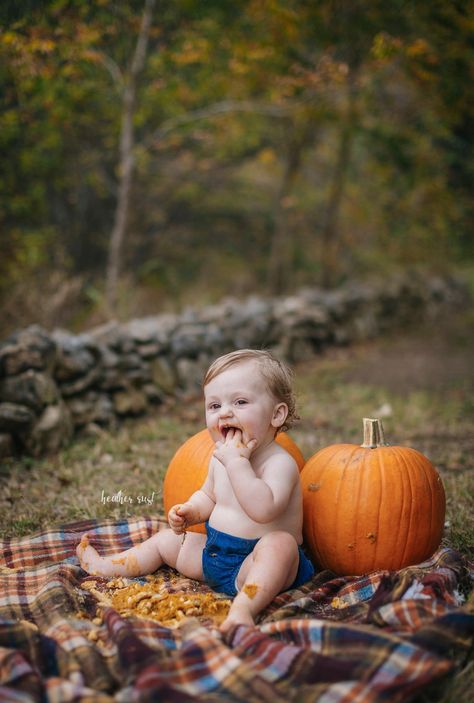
(434, 357)
(419, 382)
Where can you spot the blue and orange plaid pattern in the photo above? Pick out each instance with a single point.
(372, 639)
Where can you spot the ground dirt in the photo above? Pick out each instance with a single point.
(434, 355)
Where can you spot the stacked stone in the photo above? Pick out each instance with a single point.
(53, 384)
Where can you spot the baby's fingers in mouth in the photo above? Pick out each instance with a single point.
(228, 431)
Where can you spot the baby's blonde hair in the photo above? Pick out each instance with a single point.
(277, 375)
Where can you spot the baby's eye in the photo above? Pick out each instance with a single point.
(241, 401)
(214, 406)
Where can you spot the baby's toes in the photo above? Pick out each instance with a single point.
(83, 544)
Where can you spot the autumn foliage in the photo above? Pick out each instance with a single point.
(325, 138)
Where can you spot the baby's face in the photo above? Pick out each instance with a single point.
(239, 397)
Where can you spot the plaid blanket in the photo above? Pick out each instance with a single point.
(380, 637)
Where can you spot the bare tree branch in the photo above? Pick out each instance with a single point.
(113, 68)
(223, 107)
(127, 160)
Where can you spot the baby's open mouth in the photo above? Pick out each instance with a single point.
(224, 430)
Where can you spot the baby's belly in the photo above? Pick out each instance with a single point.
(237, 523)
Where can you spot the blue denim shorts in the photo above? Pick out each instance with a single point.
(223, 555)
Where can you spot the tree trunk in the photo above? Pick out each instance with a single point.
(126, 160)
(330, 243)
(281, 247)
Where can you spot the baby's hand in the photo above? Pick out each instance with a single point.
(180, 516)
(234, 447)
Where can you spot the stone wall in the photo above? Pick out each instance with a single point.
(53, 384)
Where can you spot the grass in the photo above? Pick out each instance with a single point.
(417, 383)
(80, 478)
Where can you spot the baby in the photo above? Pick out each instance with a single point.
(251, 498)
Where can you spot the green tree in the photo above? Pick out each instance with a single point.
(286, 142)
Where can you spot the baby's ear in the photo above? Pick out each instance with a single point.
(280, 413)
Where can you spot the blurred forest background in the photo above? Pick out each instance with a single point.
(156, 154)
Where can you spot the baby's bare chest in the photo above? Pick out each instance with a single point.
(223, 489)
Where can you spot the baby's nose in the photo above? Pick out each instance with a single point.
(226, 410)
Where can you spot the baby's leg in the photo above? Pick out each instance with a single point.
(270, 569)
(164, 547)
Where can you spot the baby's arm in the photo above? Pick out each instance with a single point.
(196, 509)
(263, 498)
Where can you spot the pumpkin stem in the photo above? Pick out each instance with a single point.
(373, 434)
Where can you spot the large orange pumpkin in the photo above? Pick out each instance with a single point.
(188, 468)
(372, 506)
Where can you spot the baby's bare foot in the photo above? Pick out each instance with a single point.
(89, 558)
(239, 614)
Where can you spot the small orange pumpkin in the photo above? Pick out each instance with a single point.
(372, 506)
(188, 468)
